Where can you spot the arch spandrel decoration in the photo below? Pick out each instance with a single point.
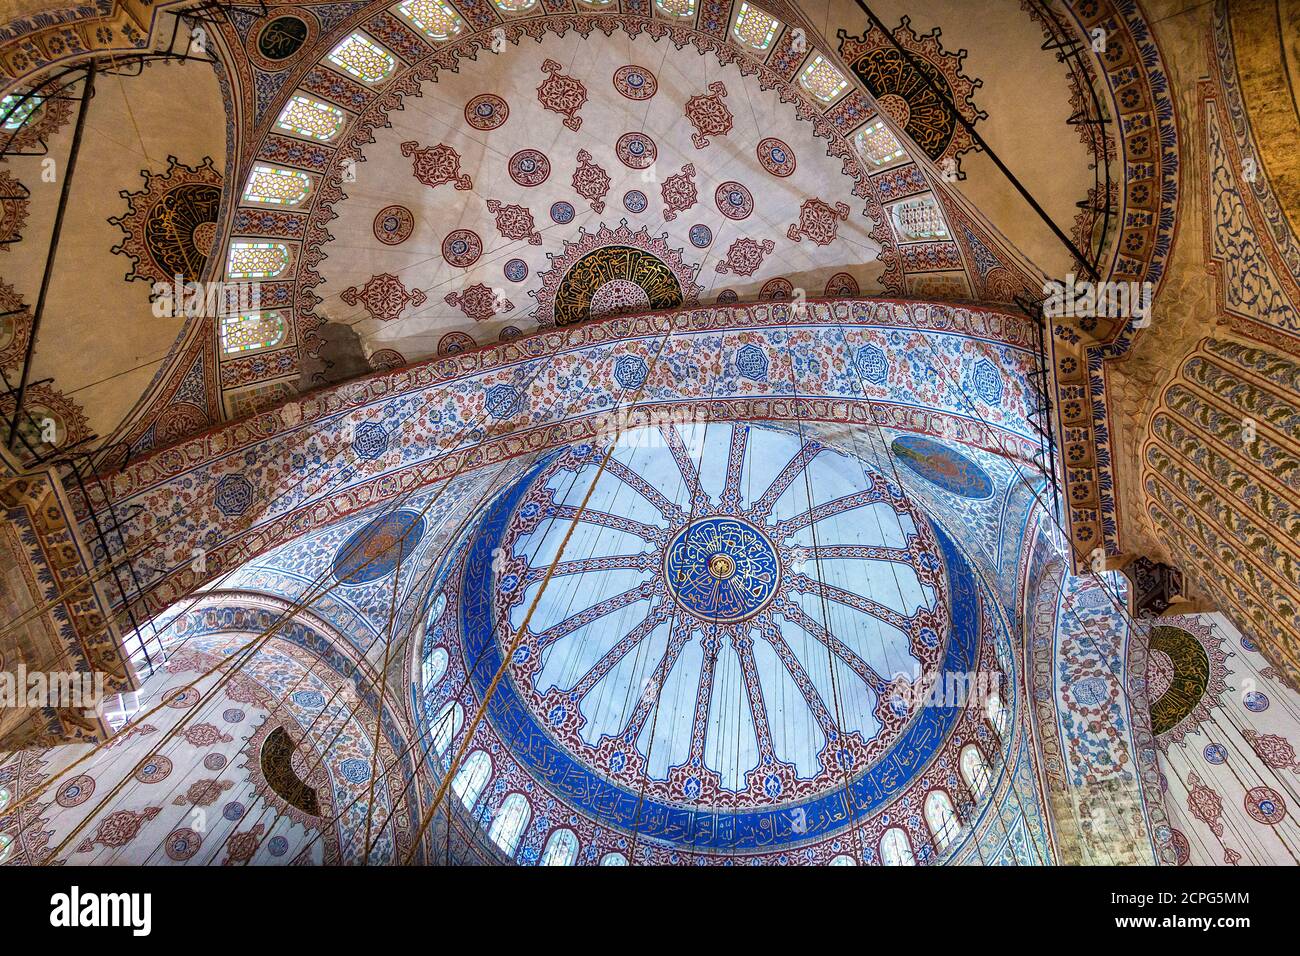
(204, 483)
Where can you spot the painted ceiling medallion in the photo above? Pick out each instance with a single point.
(744, 257)
(171, 224)
(562, 94)
(709, 115)
(942, 466)
(907, 94)
(514, 222)
(529, 167)
(679, 192)
(590, 181)
(393, 225)
(487, 111)
(818, 221)
(611, 271)
(776, 157)
(635, 82)
(478, 302)
(384, 297)
(462, 248)
(636, 150)
(436, 165)
(734, 201)
(722, 570)
(374, 549)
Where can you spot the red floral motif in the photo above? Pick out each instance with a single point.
(590, 181)
(204, 793)
(636, 150)
(1207, 806)
(462, 248)
(454, 342)
(486, 111)
(635, 82)
(436, 165)
(119, 828)
(679, 192)
(842, 284)
(241, 847)
(205, 735)
(1265, 805)
(479, 302)
(384, 297)
(744, 257)
(709, 115)
(778, 288)
(515, 222)
(1276, 752)
(818, 221)
(529, 167)
(562, 94)
(385, 360)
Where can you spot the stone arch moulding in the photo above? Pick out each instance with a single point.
(241, 489)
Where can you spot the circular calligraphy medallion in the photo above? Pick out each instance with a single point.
(721, 569)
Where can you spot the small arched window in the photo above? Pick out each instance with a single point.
(997, 713)
(975, 771)
(446, 726)
(844, 860)
(613, 859)
(434, 667)
(510, 822)
(561, 849)
(312, 118)
(896, 848)
(941, 818)
(472, 777)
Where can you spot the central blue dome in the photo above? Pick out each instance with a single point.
(713, 639)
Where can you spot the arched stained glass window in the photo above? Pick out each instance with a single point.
(844, 860)
(896, 848)
(613, 859)
(676, 8)
(434, 667)
(941, 818)
(561, 849)
(510, 822)
(434, 19)
(6, 846)
(280, 187)
(363, 58)
(472, 777)
(918, 219)
(515, 6)
(878, 145)
(16, 110)
(754, 28)
(997, 713)
(257, 260)
(4, 799)
(446, 726)
(244, 332)
(975, 771)
(308, 117)
(822, 80)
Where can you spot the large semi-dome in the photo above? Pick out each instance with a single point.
(732, 650)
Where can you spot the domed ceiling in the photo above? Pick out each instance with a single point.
(731, 652)
(573, 177)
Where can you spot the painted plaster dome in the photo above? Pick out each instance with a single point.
(734, 636)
